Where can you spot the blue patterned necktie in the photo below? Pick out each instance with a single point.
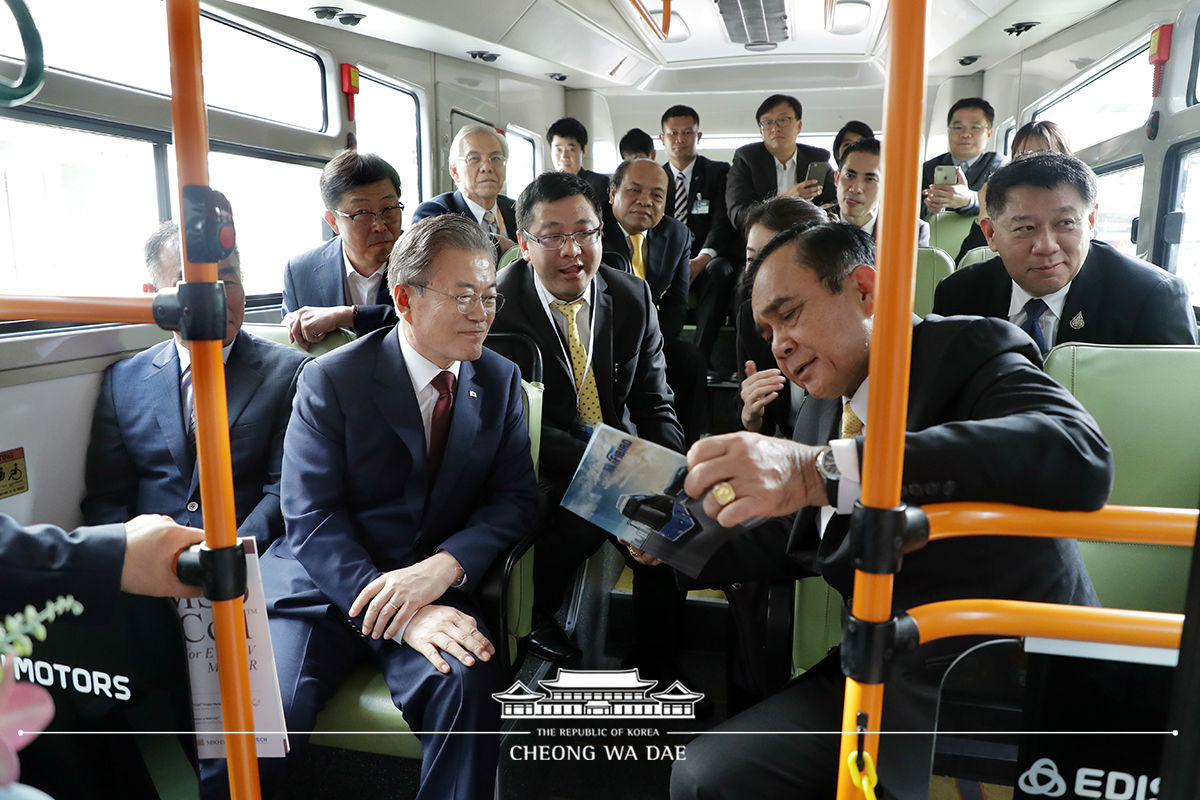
(1033, 312)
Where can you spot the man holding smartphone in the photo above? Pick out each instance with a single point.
(953, 178)
(777, 166)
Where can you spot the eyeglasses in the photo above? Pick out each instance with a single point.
(365, 220)
(555, 241)
(782, 122)
(974, 130)
(474, 160)
(467, 300)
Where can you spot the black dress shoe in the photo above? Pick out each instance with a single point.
(549, 642)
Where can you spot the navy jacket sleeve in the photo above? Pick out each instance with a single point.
(41, 562)
(672, 306)
(110, 474)
(1167, 316)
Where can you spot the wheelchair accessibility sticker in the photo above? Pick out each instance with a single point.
(621, 693)
(14, 478)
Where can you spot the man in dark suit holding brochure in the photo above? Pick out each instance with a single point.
(598, 333)
(406, 473)
(984, 424)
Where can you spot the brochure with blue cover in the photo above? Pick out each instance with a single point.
(633, 489)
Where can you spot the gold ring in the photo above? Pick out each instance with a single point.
(723, 493)
(393, 606)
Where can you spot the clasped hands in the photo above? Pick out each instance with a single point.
(400, 602)
(769, 477)
(309, 325)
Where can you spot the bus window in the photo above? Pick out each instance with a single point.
(1187, 252)
(388, 121)
(1113, 102)
(75, 210)
(522, 160)
(277, 211)
(1120, 199)
(295, 76)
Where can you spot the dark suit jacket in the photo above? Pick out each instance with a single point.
(668, 249)
(139, 460)
(627, 361)
(358, 498)
(318, 278)
(985, 424)
(713, 229)
(977, 176)
(752, 178)
(1118, 299)
(599, 183)
(40, 562)
(751, 346)
(455, 203)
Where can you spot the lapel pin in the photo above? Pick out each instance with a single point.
(472, 393)
(1076, 321)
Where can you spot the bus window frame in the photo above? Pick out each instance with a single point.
(1123, 163)
(417, 95)
(1166, 254)
(1139, 45)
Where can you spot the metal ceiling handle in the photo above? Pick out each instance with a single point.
(33, 71)
(660, 33)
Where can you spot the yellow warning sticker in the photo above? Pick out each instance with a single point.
(14, 478)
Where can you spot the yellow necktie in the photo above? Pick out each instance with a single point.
(585, 379)
(635, 246)
(851, 425)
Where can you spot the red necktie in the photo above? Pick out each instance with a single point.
(439, 424)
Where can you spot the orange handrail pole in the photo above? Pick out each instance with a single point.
(78, 309)
(208, 391)
(1048, 620)
(891, 342)
(1142, 524)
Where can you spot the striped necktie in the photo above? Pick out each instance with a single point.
(588, 406)
(635, 254)
(489, 217)
(681, 194)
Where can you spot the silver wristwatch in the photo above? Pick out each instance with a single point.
(827, 464)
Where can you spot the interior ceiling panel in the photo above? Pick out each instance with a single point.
(754, 20)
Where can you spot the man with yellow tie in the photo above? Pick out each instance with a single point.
(603, 353)
(478, 159)
(638, 235)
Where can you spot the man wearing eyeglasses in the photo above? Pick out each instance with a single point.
(598, 333)
(406, 474)
(969, 125)
(477, 164)
(777, 166)
(696, 197)
(341, 284)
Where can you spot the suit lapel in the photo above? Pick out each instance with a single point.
(554, 353)
(329, 277)
(397, 403)
(243, 376)
(817, 420)
(603, 365)
(1083, 294)
(162, 385)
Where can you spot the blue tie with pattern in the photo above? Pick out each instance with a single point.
(1033, 312)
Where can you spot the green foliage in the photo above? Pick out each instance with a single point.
(22, 628)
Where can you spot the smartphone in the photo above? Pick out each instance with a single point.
(945, 173)
(816, 172)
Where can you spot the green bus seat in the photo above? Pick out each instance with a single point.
(947, 229)
(932, 265)
(975, 255)
(818, 622)
(1144, 398)
(510, 255)
(279, 334)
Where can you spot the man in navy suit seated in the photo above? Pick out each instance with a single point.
(477, 164)
(341, 284)
(141, 458)
(1051, 278)
(384, 549)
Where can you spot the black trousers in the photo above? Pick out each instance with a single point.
(715, 290)
(687, 377)
(792, 753)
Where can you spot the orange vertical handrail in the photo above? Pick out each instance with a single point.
(891, 342)
(208, 390)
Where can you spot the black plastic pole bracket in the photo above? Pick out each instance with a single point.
(868, 647)
(197, 310)
(221, 573)
(879, 537)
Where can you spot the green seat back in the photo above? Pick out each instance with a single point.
(932, 266)
(975, 255)
(947, 229)
(1144, 399)
(510, 255)
(817, 622)
(362, 708)
(279, 334)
